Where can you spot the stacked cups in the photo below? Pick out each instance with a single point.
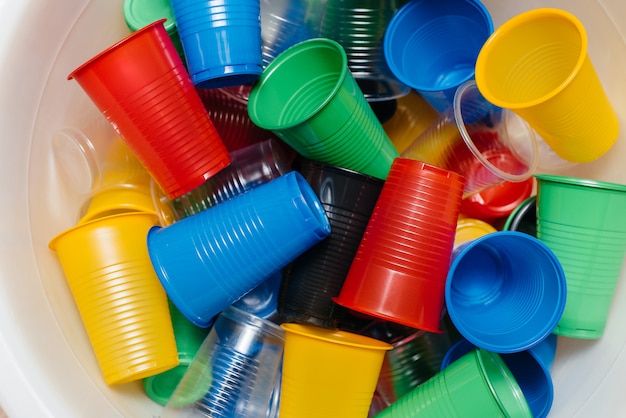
(209, 260)
(308, 97)
(400, 268)
(221, 41)
(142, 87)
(583, 222)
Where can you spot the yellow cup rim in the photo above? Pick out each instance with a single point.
(336, 336)
(482, 69)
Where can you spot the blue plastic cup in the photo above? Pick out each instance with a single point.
(235, 372)
(505, 291)
(432, 46)
(262, 301)
(211, 259)
(530, 368)
(221, 41)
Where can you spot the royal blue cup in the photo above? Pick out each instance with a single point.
(211, 259)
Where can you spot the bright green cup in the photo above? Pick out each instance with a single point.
(582, 221)
(308, 98)
(479, 384)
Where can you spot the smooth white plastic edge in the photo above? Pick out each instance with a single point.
(47, 368)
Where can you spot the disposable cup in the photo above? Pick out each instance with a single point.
(497, 202)
(359, 27)
(121, 302)
(250, 167)
(234, 372)
(189, 338)
(211, 259)
(140, 13)
(590, 241)
(316, 276)
(262, 301)
(413, 115)
(432, 46)
(400, 276)
(523, 218)
(328, 372)
(484, 143)
(142, 87)
(231, 120)
(531, 369)
(221, 41)
(505, 291)
(308, 97)
(537, 65)
(478, 384)
(468, 229)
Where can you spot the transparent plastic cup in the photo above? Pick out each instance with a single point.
(537, 65)
(235, 371)
(484, 143)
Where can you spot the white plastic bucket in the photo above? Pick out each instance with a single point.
(47, 367)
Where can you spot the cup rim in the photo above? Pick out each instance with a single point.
(336, 336)
(581, 182)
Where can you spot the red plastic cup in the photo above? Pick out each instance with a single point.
(497, 202)
(400, 269)
(140, 84)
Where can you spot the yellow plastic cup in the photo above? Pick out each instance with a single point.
(328, 373)
(121, 302)
(412, 117)
(468, 229)
(537, 65)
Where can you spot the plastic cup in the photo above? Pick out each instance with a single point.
(189, 338)
(486, 144)
(497, 202)
(328, 373)
(432, 46)
(412, 117)
(142, 87)
(308, 97)
(235, 370)
(469, 229)
(121, 302)
(211, 259)
(582, 221)
(231, 120)
(262, 301)
(250, 167)
(221, 41)
(399, 271)
(479, 384)
(140, 13)
(537, 65)
(312, 279)
(505, 291)
(359, 27)
(530, 368)
(523, 218)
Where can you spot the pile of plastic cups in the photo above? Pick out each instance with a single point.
(341, 208)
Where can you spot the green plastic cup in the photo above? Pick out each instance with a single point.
(479, 384)
(582, 221)
(308, 97)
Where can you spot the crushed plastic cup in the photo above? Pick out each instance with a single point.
(123, 306)
(209, 260)
(234, 372)
(328, 372)
(221, 41)
(399, 271)
(432, 46)
(484, 143)
(316, 276)
(582, 221)
(505, 291)
(537, 65)
(478, 384)
(143, 89)
(308, 98)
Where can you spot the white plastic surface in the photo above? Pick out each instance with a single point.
(47, 368)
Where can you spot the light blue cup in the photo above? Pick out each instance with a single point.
(432, 46)
(211, 259)
(221, 41)
(505, 291)
(530, 368)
